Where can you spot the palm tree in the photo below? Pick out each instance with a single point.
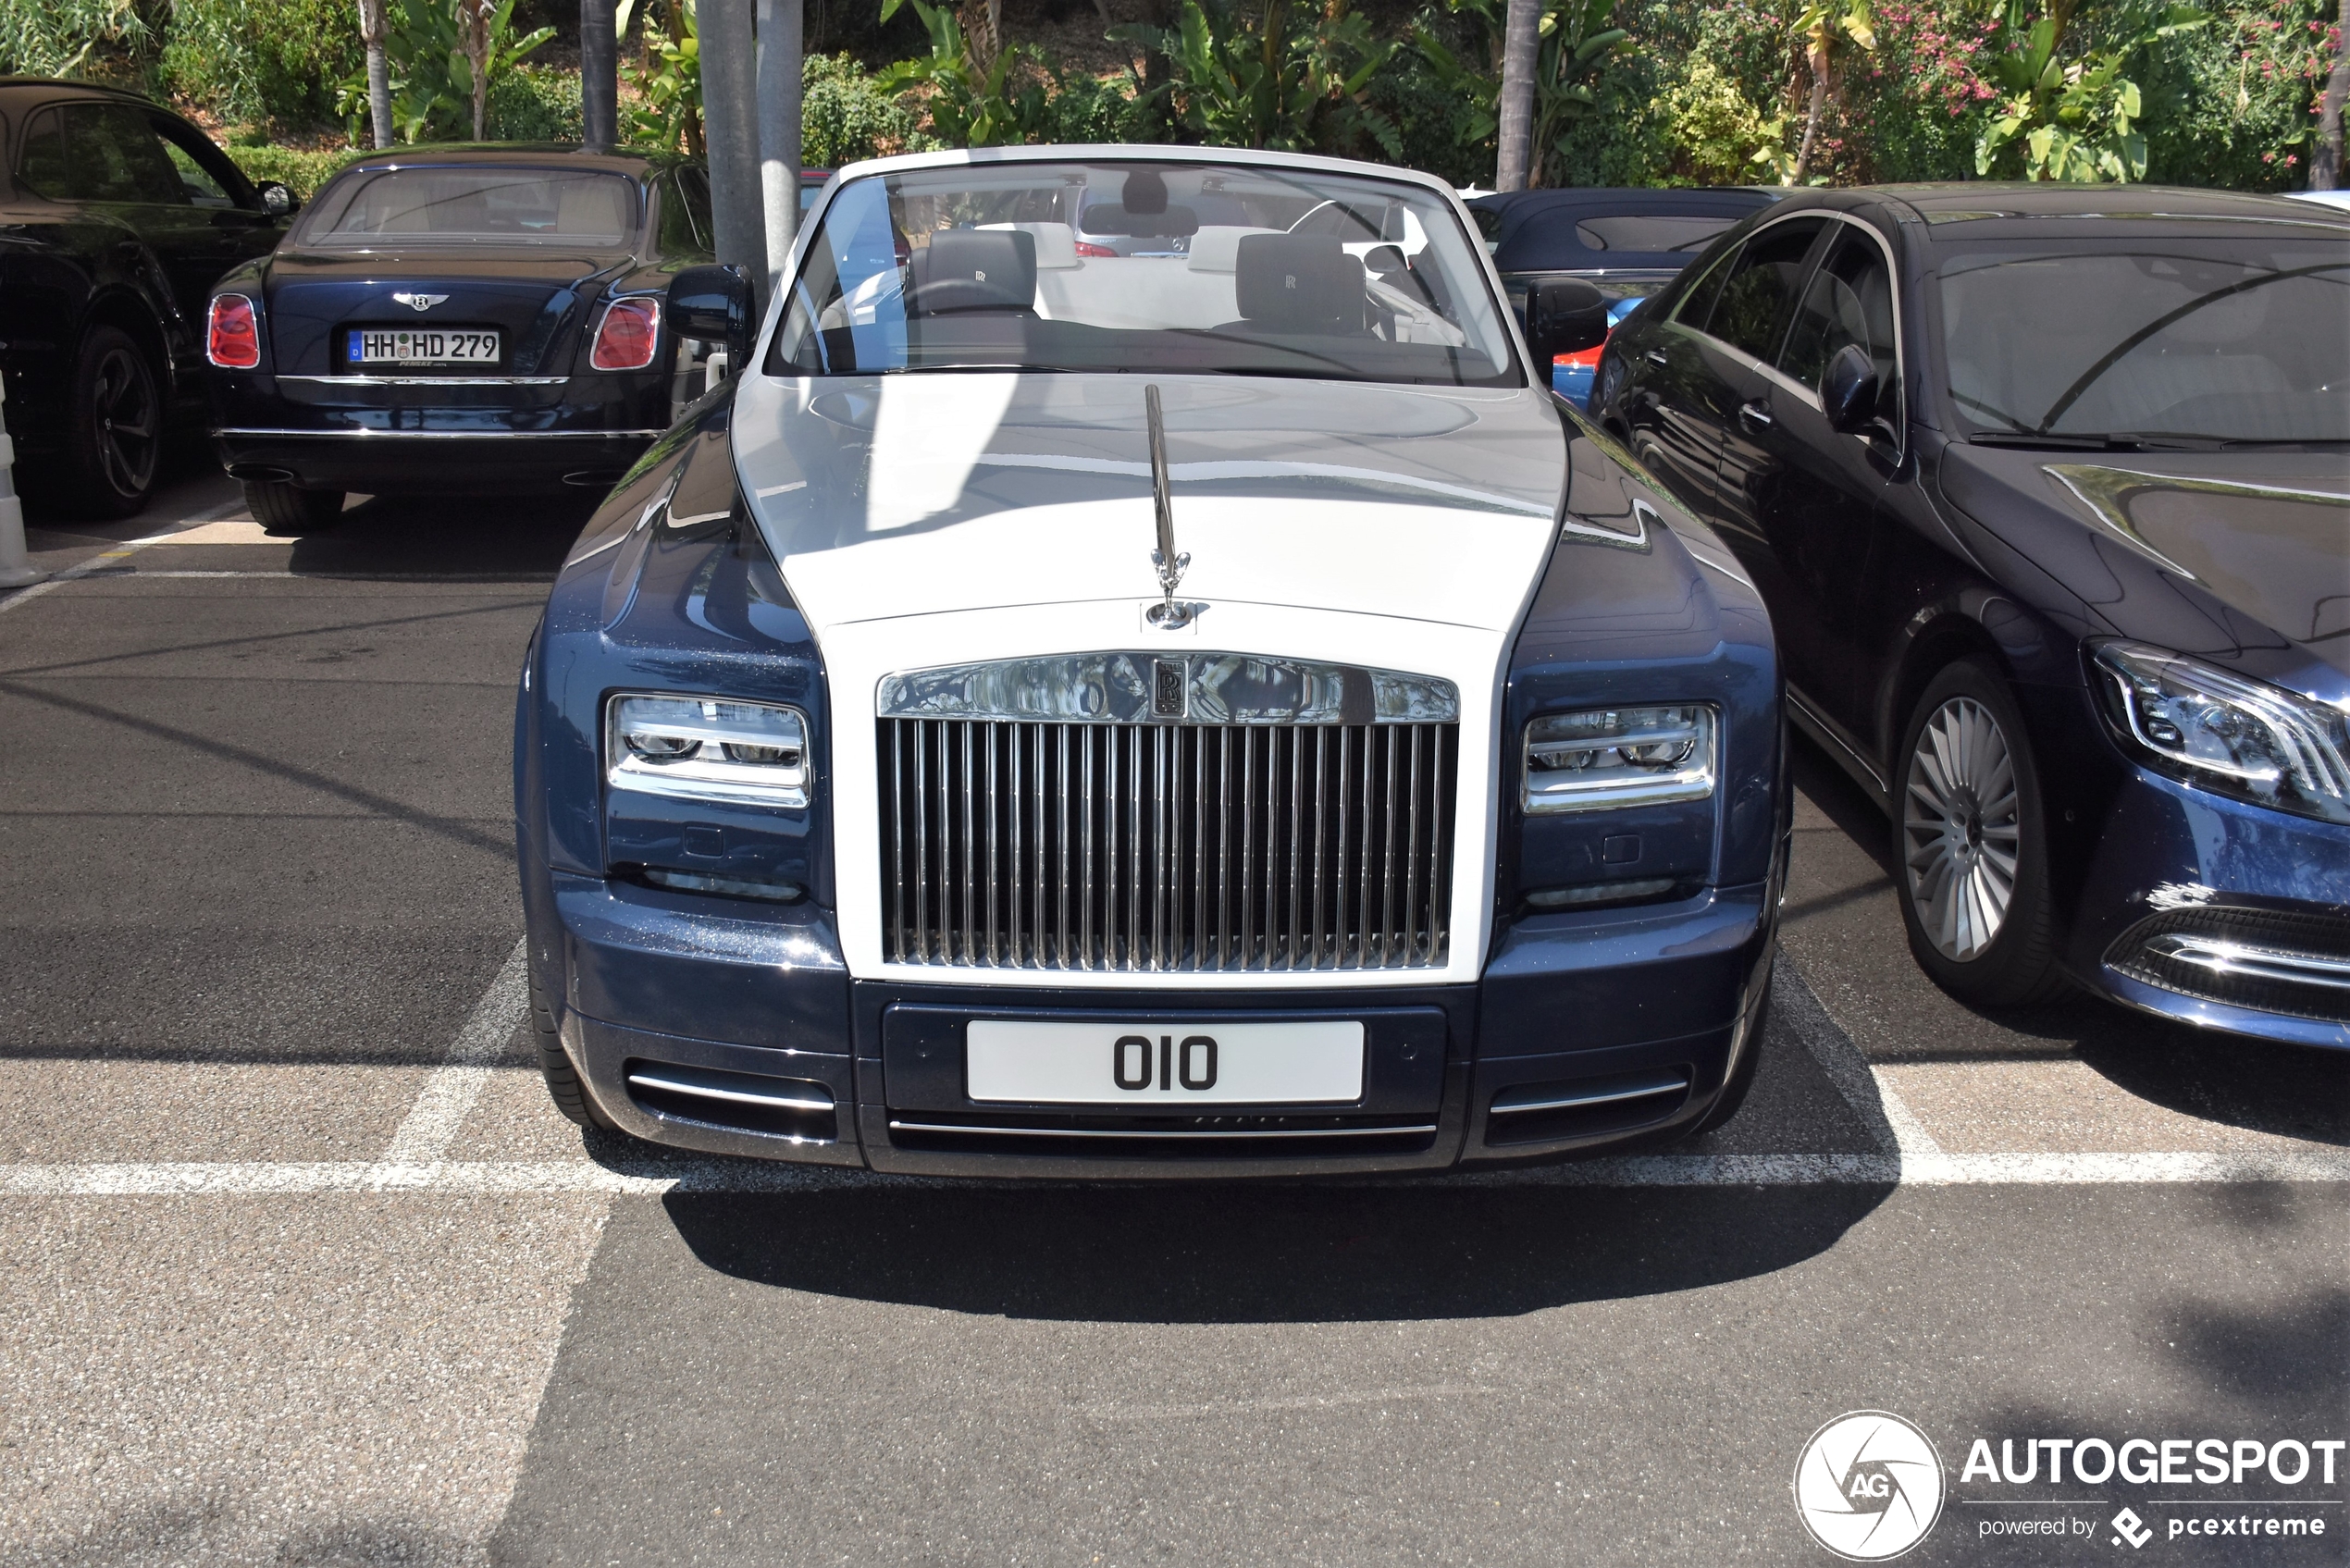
(371, 34)
(1521, 42)
(1823, 27)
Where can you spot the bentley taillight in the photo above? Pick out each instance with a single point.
(625, 340)
(233, 341)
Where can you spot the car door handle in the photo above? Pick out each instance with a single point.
(1655, 356)
(1756, 414)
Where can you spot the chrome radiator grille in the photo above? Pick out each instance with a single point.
(1156, 847)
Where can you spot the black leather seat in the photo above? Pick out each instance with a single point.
(1297, 283)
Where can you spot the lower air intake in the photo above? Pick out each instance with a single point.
(740, 1102)
(2268, 960)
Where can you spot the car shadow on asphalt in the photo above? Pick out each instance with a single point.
(1197, 1253)
(2288, 1090)
(522, 536)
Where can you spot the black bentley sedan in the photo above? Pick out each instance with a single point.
(115, 217)
(457, 320)
(2048, 492)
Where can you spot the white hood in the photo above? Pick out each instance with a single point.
(920, 494)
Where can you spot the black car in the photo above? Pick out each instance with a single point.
(458, 320)
(2046, 489)
(1626, 243)
(116, 216)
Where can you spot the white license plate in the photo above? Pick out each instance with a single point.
(1157, 1064)
(402, 346)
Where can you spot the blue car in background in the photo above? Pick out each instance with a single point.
(1626, 243)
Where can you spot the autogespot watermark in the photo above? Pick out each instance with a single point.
(1870, 1486)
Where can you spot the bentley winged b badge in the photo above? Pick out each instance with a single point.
(417, 302)
(1170, 614)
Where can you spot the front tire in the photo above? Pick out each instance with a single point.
(282, 508)
(1732, 1096)
(114, 440)
(563, 1083)
(1970, 833)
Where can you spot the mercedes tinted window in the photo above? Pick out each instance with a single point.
(1849, 300)
(2200, 336)
(1760, 290)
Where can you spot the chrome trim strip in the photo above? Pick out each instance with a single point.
(736, 1096)
(1663, 1083)
(1416, 1128)
(366, 432)
(1819, 730)
(2219, 955)
(427, 380)
(1120, 687)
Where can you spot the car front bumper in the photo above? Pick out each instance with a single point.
(2216, 913)
(735, 1028)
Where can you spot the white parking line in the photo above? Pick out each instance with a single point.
(432, 1122)
(1872, 1096)
(121, 552)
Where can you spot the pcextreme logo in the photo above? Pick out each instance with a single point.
(1869, 1486)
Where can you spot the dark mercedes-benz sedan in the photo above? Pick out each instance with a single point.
(2048, 491)
(1210, 714)
(456, 319)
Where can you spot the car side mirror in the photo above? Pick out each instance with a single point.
(277, 200)
(1563, 315)
(1849, 391)
(714, 304)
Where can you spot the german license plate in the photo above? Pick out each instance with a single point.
(1317, 1062)
(432, 346)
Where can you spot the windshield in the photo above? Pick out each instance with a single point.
(2240, 339)
(465, 204)
(1148, 267)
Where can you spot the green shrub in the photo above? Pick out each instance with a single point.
(68, 37)
(300, 172)
(536, 103)
(844, 117)
(260, 62)
(2229, 105)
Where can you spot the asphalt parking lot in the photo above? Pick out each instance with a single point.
(301, 1266)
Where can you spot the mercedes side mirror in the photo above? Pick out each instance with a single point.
(277, 200)
(1563, 315)
(1849, 391)
(711, 303)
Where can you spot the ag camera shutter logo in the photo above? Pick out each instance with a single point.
(1869, 1486)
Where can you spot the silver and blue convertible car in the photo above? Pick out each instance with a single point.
(1196, 709)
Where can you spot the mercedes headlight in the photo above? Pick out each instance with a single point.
(1614, 757)
(2227, 732)
(707, 749)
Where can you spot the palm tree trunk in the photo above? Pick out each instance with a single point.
(1521, 45)
(371, 34)
(1816, 57)
(476, 15)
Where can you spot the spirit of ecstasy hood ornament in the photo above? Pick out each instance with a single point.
(1172, 615)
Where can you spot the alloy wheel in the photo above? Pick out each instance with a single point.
(1961, 828)
(124, 415)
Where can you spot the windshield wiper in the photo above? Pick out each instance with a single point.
(2040, 441)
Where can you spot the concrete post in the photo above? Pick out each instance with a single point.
(730, 127)
(779, 133)
(16, 569)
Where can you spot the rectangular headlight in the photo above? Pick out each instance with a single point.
(707, 749)
(1614, 757)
